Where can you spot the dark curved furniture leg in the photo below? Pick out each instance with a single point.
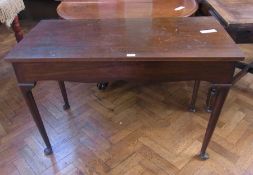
(194, 96)
(210, 99)
(102, 85)
(221, 94)
(26, 90)
(64, 95)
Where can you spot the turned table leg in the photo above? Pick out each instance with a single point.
(17, 29)
(26, 90)
(210, 99)
(64, 95)
(221, 94)
(194, 96)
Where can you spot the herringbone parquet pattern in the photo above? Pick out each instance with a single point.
(135, 129)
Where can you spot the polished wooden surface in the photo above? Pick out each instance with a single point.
(99, 9)
(119, 131)
(114, 39)
(236, 16)
(234, 12)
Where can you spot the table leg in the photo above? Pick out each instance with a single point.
(194, 96)
(210, 99)
(17, 29)
(221, 94)
(64, 95)
(26, 90)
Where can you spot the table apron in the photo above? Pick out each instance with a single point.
(91, 72)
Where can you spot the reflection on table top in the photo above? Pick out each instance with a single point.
(99, 9)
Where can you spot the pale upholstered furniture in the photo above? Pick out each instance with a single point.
(9, 10)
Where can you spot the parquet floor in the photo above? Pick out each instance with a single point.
(130, 129)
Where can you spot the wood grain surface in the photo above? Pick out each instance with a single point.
(159, 39)
(100, 9)
(234, 12)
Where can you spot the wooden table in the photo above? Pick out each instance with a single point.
(158, 49)
(236, 16)
(101, 9)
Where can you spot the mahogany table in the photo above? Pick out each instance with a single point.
(162, 49)
(101, 9)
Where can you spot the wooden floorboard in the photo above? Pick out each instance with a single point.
(128, 129)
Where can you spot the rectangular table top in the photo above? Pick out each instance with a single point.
(234, 11)
(160, 39)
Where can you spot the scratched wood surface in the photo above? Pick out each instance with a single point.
(159, 39)
(127, 129)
